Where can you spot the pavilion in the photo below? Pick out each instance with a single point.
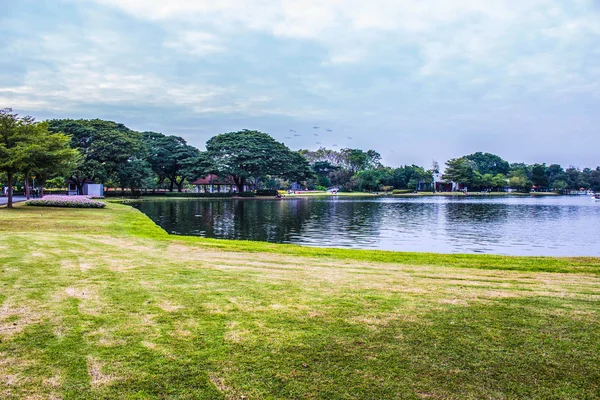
(212, 183)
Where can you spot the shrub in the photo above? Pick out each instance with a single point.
(66, 201)
(246, 194)
(267, 192)
(402, 191)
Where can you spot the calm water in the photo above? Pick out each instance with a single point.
(562, 226)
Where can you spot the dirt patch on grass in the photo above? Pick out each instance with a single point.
(168, 306)
(105, 338)
(97, 377)
(53, 381)
(90, 302)
(235, 334)
(13, 319)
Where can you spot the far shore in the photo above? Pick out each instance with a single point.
(291, 196)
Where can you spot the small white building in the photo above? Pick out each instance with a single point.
(89, 189)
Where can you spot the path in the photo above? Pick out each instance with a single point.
(16, 199)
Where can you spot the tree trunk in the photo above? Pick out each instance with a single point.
(41, 190)
(79, 185)
(27, 191)
(239, 182)
(9, 204)
(171, 185)
(180, 185)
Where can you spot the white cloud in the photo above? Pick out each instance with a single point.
(196, 43)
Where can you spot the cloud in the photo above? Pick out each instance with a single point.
(196, 43)
(408, 68)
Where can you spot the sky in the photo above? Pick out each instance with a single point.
(416, 80)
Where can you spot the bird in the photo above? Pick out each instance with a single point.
(291, 130)
(318, 142)
(335, 145)
(316, 134)
(296, 135)
(288, 137)
(329, 130)
(349, 137)
(315, 127)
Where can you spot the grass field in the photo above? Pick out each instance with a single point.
(104, 304)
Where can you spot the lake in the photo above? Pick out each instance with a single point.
(550, 226)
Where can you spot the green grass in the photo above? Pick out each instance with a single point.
(104, 304)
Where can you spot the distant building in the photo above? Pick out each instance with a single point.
(89, 188)
(212, 183)
(442, 186)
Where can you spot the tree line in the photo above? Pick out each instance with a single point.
(54, 151)
(484, 171)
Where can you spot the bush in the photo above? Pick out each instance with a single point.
(402, 191)
(66, 201)
(267, 192)
(246, 194)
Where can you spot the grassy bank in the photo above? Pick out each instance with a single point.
(104, 304)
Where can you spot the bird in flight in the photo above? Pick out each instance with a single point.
(318, 142)
(288, 137)
(316, 134)
(315, 127)
(296, 135)
(335, 145)
(349, 137)
(291, 130)
(329, 130)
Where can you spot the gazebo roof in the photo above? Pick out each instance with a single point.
(212, 179)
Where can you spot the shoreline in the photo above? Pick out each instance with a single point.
(328, 195)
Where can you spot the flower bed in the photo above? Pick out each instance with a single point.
(66, 201)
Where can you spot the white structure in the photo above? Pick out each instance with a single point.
(89, 189)
(93, 189)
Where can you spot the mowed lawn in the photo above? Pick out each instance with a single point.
(104, 304)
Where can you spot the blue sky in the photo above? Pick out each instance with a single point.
(415, 80)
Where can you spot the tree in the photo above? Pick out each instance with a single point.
(520, 181)
(250, 154)
(368, 180)
(487, 163)
(105, 147)
(499, 181)
(12, 139)
(555, 173)
(169, 157)
(459, 170)
(539, 178)
(48, 155)
(573, 178)
(357, 160)
(135, 174)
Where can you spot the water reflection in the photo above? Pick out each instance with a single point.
(518, 226)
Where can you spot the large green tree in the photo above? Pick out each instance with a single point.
(48, 155)
(251, 154)
(487, 163)
(13, 140)
(27, 147)
(105, 146)
(459, 170)
(170, 158)
(539, 178)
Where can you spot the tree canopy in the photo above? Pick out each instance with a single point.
(250, 154)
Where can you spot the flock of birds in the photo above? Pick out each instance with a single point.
(296, 134)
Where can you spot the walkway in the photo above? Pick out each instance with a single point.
(16, 199)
